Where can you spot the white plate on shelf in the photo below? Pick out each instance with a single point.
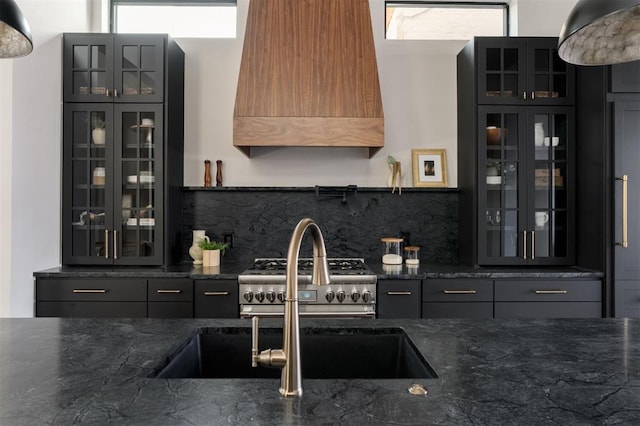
(494, 180)
(143, 221)
(142, 179)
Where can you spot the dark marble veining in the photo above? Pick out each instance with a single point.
(263, 220)
(569, 372)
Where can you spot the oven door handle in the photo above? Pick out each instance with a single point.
(351, 314)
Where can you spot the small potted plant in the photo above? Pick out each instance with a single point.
(97, 130)
(211, 252)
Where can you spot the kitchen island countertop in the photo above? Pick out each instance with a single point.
(68, 371)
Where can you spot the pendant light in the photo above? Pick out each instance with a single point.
(15, 35)
(601, 32)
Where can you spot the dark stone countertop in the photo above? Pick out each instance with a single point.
(80, 371)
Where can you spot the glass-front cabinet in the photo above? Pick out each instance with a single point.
(523, 71)
(113, 170)
(525, 185)
(113, 68)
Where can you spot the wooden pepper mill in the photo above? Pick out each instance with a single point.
(219, 173)
(207, 173)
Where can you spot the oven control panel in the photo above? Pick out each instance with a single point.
(330, 294)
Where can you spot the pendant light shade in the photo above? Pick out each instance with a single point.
(601, 32)
(15, 35)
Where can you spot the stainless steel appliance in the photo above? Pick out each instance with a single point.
(351, 293)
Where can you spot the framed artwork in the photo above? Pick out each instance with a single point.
(429, 168)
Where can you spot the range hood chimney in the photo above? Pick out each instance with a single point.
(308, 77)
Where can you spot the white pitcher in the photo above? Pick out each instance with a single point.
(539, 134)
(195, 251)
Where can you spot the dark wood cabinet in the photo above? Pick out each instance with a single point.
(625, 78)
(457, 298)
(516, 158)
(548, 298)
(122, 158)
(91, 298)
(216, 299)
(398, 299)
(170, 298)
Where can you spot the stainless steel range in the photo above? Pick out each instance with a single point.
(351, 293)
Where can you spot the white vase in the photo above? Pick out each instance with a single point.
(210, 258)
(195, 251)
(98, 136)
(539, 134)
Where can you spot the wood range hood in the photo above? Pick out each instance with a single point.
(308, 77)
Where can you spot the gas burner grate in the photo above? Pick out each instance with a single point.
(307, 265)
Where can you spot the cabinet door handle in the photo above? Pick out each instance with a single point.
(459, 291)
(533, 245)
(91, 291)
(160, 291)
(216, 293)
(399, 293)
(524, 95)
(524, 245)
(551, 292)
(533, 95)
(625, 210)
(108, 93)
(115, 245)
(106, 244)
(115, 93)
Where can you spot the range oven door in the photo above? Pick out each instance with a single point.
(311, 310)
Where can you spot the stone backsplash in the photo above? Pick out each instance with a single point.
(262, 220)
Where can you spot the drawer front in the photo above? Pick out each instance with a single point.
(216, 299)
(71, 309)
(475, 310)
(170, 309)
(548, 291)
(548, 310)
(92, 290)
(398, 299)
(170, 290)
(456, 290)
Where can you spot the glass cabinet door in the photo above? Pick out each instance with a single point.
(550, 217)
(551, 80)
(139, 171)
(88, 64)
(501, 179)
(87, 174)
(139, 68)
(502, 71)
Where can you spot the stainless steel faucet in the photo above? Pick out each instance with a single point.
(288, 358)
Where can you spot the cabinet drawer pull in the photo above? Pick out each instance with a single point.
(168, 291)
(399, 293)
(92, 291)
(551, 291)
(216, 293)
(459, 291)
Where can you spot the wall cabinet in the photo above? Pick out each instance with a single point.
(457, 298)
(625, 78)
(216, 299)
(516, 158)
(91, 298)
(398, 299)
(548, 299)
(122, 162)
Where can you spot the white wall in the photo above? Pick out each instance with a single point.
(419, 98)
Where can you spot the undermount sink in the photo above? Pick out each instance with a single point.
(326, 353)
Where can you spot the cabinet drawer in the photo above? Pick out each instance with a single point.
(170, 290)
(92, 290)
(216, 299)
(475, 310)
(398, 299)
(548, 310)
(455, 290)
(170, 310)
(548, 291)
(71, 309)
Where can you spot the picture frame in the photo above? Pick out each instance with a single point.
(429, 168)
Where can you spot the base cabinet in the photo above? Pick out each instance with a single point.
(398, 299)
(170, 298)
(457, 298)
(216, 299)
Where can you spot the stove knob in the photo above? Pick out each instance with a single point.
(330, 296)
(271, 296)
(340, 296)
(281, 296)
(355, 296)
(366, 296)
(259, 296)
(248, 296)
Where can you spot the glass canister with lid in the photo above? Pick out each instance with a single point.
(392, 250)
(412, 255)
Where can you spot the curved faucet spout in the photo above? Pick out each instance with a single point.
(291, 383)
